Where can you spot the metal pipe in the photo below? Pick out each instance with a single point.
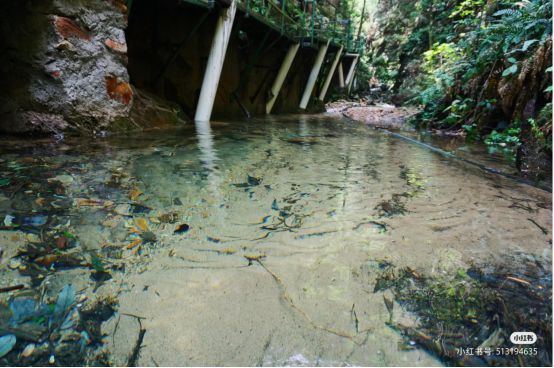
(281, 75)
(215, 62)
(313, 76)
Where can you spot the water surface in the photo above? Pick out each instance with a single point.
(281, 223)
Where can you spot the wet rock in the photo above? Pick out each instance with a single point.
(64, 179)
(149, 237)
(123, 209)
(140, 209)
(382, 116)
(169, 218)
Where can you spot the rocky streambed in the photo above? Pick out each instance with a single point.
(307, 240)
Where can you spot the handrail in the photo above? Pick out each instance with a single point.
(310, 24)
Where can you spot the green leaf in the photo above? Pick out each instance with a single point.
(4, 181)
(68, 235)
(548, 89)
(548, 70)
(7, 343)
(528, 44)
(97, 263)
(511, 70)
(512, 60)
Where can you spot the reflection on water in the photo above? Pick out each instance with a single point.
(208, 154)
(260, 242)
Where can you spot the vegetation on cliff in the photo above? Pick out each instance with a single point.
(483, 66)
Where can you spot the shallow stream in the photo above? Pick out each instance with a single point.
(259, 242)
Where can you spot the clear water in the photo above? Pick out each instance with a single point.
(287, 219)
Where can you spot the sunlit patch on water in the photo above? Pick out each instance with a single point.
(248, 243)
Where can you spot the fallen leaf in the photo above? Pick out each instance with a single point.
(46, 260)
(94, 202)
(134, 243)
(516, 279)
(134, 194)
(141, 223)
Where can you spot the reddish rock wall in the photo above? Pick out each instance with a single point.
(64, 65)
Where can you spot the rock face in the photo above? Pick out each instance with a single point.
(63, 64)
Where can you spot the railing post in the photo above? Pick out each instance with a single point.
(215, 62)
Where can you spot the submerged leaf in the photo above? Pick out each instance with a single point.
(6, 344)
(22, 308)
(67, 323)
(65, 300)
(135, 194)
(141, 223)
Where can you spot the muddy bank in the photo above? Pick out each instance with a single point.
(380, 115)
